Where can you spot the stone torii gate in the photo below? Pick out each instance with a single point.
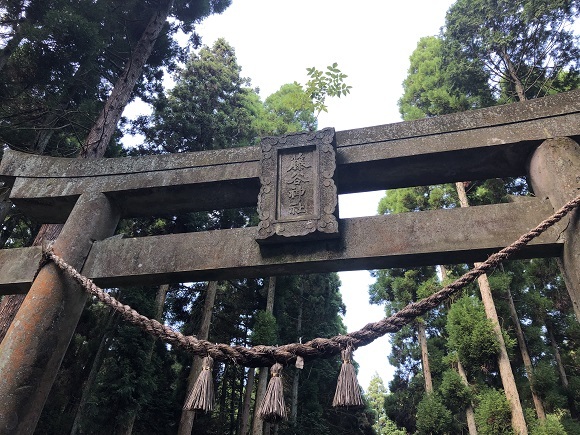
(294, 180)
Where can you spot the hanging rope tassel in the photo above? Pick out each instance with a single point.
(347, 388)
(273, 408)
(201, 395)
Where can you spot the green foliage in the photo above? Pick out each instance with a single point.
(433, 417)
(322, 84)
(489, 52)
(471, 334)
(289, 110)
(265, 329)
(398, 287)
(128, 379)
(316, 300)
(401, 404)
(522, 46)
(429, 89)
(60, 59)
(546, 382)
(455, 395)
(571, 426)
(375, 396)
(551, 426)
(418, 198)
(492, 413)
(210, 107)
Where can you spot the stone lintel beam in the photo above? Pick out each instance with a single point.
(17, 268)
(481, 144)
(403, 240)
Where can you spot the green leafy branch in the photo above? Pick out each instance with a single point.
(322, 84)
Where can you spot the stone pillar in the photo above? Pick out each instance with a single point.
(554, 171)
(32, 351)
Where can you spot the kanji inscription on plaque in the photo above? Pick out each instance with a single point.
(298, 199)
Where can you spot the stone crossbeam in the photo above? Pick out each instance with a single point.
(481, 144)
(403, 240)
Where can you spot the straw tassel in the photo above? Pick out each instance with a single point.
(347, 389)
(201, 395)
(273, 408)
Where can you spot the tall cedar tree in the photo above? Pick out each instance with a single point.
(523, 47)
(436, 85)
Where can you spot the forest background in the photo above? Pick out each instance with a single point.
(113, 378)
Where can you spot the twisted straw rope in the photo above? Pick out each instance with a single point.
(261, 356)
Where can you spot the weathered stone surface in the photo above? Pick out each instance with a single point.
(487, 143)
(35, 343)
(554, 171)
(298, 199)
(405, 240)
(17, 268)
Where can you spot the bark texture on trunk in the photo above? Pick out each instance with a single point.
(505, 369)
(12, 44)
(469, 413)
(513, 74)
(424, 356)
(103, 129)
(296, 378)
(187, 417)
(525, 356)
(245, 418)
(258, 424)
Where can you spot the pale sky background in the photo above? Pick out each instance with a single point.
(371, 40)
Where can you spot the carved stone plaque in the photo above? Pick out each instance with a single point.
(298, 199)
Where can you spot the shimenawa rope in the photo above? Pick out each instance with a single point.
(262, 356)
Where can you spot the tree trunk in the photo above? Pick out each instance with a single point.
(11, 45)
(222, 408)
(557, 357)
(46, 131)
(525, 357)
(296, 379)
(233, 378)
(562, 371)
(520, 91)
(159, 304)
(505, 369)
(245, 417)
(469, 413)
(424, 356)
(258, 424)
(187, 417)
(95, 367)
(102, 131)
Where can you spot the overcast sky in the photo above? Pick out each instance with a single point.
(371, 40)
